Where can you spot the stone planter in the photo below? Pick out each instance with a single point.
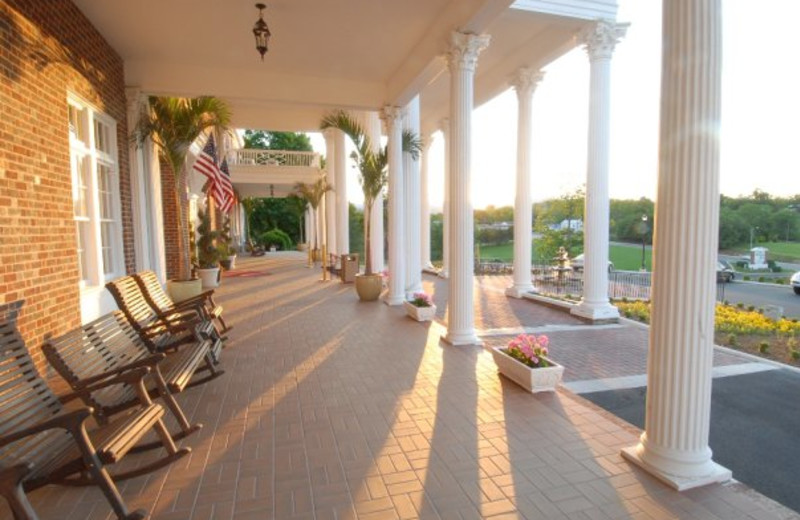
(369, 286)
(420, 313)
(209, 277)
(180, 290)
(531, 379)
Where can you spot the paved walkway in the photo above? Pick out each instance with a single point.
(333, 408)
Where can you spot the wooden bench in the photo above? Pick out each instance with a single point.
(161, 332)
(109, 345)
(42, 443)
(160, 301)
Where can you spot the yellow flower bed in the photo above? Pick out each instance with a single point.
(728, 319)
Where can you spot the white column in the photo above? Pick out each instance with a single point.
(372, 128)
(674, 445)
(342, 214)
(462, 61)
(444, 126)
(412, 204)
(524, 82)
(397, 285)
(599, 40)
(145, 176)
(425, 214)
(330, 197)
(310, 230)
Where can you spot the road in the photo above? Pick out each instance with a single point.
(754, 423)
(762, 295)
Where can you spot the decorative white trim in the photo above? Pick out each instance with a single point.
(600, 38)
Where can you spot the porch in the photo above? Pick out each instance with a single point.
(333, 408)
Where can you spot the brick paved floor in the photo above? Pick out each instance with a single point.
(333, 408)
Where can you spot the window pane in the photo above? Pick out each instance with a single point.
(101, 137)
(104, 183)
(77, 124)
(106, 235)
(83, 239)
(81, 168)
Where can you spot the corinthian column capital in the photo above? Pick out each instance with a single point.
(525, 80)
(464, 50)
(391, 115)
(600, 39)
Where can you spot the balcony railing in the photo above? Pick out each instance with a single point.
(254, 157)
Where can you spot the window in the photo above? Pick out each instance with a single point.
(95, 193)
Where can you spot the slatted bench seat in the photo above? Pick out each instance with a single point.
(110, 345)
(161, 332)
(42, 443)
(159, 300)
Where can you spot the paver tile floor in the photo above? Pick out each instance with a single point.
(335, 409)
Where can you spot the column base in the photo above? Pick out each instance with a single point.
(715, 474)
(444, 274)
(519, 291)
(462, 338)
(596, 311)
(394, 300)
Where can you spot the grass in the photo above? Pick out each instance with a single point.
(626, 258)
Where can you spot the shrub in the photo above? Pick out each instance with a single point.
(732, 340)
(277, 238)
(794, 354)
(751, 308)
(746, 278)
(763, 347)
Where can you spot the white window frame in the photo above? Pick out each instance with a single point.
(96, 277)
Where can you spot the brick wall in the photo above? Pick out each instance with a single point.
(49, 48)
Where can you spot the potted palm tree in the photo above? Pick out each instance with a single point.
(173, 124)
(312, 194)
(372, 167)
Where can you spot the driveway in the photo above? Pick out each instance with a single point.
(755, 420)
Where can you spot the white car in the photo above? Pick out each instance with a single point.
(795, 281)
(577, 264)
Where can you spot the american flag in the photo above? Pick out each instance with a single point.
(206, 164)
(224, 188)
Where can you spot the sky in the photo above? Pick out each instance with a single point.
(759, 132)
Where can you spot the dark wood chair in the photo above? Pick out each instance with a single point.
(161, 332)
(42, 443)
(108, 346)
(160, 301)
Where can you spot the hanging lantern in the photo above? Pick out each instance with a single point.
(261, 32)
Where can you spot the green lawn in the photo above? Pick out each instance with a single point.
(788, 250)
(626, 258)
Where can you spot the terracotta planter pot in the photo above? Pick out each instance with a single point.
(180, 290)
(544, 379)
(369, 286)
(419, 313)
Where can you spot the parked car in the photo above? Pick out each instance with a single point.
(795, 281)
(725, 272)
(577, 264)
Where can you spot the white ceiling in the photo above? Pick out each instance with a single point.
(325, 54)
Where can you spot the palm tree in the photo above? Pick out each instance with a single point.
(173, 124)
(312, 193)
(372, 166)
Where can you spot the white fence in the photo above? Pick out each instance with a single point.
(249, 156)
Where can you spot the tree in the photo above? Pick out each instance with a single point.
(265, 140)
(173, 124)
(372, 166)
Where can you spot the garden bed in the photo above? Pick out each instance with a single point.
(744, 329)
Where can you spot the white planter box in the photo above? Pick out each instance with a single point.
(420, 313)
(531, 379)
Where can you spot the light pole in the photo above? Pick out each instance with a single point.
(644, 234)
(752, 230)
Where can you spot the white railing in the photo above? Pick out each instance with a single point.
(249, 156)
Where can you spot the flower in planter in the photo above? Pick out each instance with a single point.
(422, 299)
(529, 349)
